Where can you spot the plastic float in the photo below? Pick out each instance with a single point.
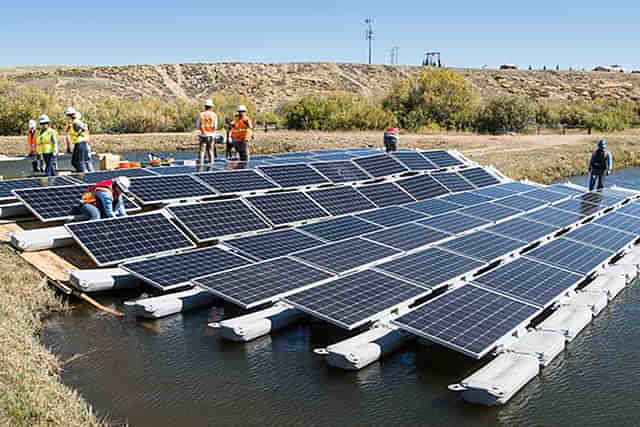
(363, 349)
(567, 321)
(14, 210)
(105, 279)
(253, 325)
(543, 345)
(41, 239)
(596, 302)
(627, 271)
(499, 380)
(609, 285)
(166, 305)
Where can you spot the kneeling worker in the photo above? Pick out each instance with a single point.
(105, 199)
(391, 139)
(600, 164)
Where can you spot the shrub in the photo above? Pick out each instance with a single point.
(509, 113)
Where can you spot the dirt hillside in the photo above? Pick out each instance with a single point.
(270, 85)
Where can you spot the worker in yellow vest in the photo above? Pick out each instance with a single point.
(207, 123)
(81, 157)
(242, 133)
(32, 146)
(47, 145)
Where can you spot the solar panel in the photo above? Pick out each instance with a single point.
(354, 300)
(422, 187)
(546, 195)
(529, 281)
(175, 170)
(469, 319)
(494, 192)
(413, 160)
(212, 220)
(343, 256)
(615, 194)
(431, 268)
(490, 211)
(341, 200)
(556, 217)
(287, 208)
(523, 229)
(332, 157)
(441, 158)
(601, 237)
(59, 203)
(579, 207)
(340, 171)
(165, 189)
(114, 240)
(483, 246)
(95, 177)
(273, 245)
(380, 165)
(6, 186)
(632, 209)
(570, 255)
(521, 202)
(237, 181)
(453, 181)
(518, 187)
(385, 194)
(391, 216)
(433, 207)
(620, 222)
(466, 199)
(479, 177)
(176, 270)
(407, 237)
(340, 228)
(453, 222)
(256, 284)
(565, 189)
(290, 176)
(598, 199)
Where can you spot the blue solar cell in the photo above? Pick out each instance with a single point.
(523, 229)
(164, 189)
(556, 217)
(433, 207)
(391, 216)
(618, 221)
(482, 245)
(602, 237)
(340, 228)
(521, 202)
(273, 245)
(7, 186)
(341, 200)
(631, 209)
(385, 194)
(407, 237)
(579, 207)
(599, 199)
(340, 171)
(453, 181)
(380, 165)
(287, 208)
(422, 187)
(494, 192)
(570, 255)
(441, 158)
(236, 181)
(546, 195)
(95, 177)
(466, 199)
(175, 170)
(413, 160)
(490, 211)
(561, 188)
(453, 222)
(295, 175)
(479, 177)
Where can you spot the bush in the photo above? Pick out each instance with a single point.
(337, 111)
(437, 96)
(605, 116)
(506, 114)
(18, 105)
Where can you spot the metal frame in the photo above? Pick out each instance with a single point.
(122, 260)
(174, 200)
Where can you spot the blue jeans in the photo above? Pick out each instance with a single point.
(90, 211)
(49, 166)
(81, 157)
(596, 176)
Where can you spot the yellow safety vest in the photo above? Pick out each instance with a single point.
(45, 141)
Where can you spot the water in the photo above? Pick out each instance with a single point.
(176, 371)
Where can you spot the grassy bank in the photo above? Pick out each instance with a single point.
(31, 393)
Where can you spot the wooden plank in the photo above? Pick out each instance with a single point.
(49, 263)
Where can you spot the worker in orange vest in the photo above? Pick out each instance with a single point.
(391, 139)
(207, 124)
(241, 133)
(105, 199)
(32, 146)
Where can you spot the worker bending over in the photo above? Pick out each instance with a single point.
(32, 146)
(207, 124)
(81, 157)
(47, 145)
(391, 139)
(105, 199)
(600, 165)
(241, 133)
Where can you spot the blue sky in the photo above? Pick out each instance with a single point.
(570, 33)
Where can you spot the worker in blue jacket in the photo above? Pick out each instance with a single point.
(600, 165)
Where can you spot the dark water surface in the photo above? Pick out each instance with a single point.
(176, 371)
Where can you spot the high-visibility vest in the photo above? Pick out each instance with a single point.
(45, 141)
(90, 196)
(240, 131)
(207, 122)
(32, 142)
(77, 136)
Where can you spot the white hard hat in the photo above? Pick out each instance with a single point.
(69, 111)
(241, 108)
(32, 124)
(44, 119)
(208, 103)
(123, 183)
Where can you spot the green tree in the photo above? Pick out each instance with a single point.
(510, 113)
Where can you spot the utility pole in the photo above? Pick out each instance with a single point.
(369, 34)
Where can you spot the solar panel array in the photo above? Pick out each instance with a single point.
(7, 186)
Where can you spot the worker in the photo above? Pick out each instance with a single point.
(47, 145)
(207, 124)
(81, 157)
(391, 139)
(32, 146)
(600, 165)
(241, 133)
(105, 199)
(70, 114)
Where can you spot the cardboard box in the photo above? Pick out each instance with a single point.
(109, 161)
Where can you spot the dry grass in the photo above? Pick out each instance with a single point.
(31, 393)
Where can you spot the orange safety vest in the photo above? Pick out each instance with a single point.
(207, 122)
(240, 131)
(90, 195)
(32, 142)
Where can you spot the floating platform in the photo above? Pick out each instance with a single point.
(567, 321)
(41, 239)
(167, 305)
(103, 279)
